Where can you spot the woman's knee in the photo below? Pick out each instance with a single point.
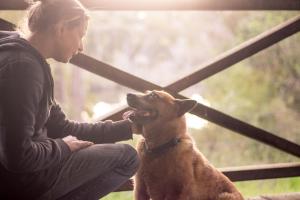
(122, 157)
(131, 158)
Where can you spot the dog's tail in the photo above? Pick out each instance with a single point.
(230, 196)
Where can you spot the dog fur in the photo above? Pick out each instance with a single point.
(180, 172)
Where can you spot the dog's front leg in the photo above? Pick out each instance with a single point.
(186, 192)
(140, 191)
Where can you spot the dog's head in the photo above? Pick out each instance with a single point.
(154, 106)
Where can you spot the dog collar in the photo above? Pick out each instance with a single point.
(160, 149)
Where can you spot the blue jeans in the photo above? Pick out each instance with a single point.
(94, 172)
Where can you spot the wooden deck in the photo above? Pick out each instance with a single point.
(290, 196)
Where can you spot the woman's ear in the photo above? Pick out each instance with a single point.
(185, 105)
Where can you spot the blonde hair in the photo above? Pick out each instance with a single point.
(43, 14)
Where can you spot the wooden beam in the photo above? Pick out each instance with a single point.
(248, 173)
(13, 5)
(173, 4)
(245, 129)
(7, 26)
(193, 4)
(239, 53)
(269, 171)
(111, 73)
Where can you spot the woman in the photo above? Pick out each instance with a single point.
(40, 155)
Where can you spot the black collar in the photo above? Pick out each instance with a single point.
(160, 149)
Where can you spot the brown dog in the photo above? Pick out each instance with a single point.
(171, 166)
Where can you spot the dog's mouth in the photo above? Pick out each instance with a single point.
(141, 116)
(139, 112)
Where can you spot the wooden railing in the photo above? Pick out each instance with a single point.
(173, 4)
(209, 69)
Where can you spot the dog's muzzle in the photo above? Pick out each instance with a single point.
(139, 113)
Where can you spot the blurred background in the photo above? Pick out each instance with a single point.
(161, 47)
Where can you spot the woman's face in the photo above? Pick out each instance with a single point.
(69, 42)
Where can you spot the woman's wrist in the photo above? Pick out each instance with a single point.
(136, 128)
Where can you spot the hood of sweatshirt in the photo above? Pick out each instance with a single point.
(11, 41)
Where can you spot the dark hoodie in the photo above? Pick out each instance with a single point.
(32, 124)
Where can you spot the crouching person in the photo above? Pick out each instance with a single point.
(43, 155)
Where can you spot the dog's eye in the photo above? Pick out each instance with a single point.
(153, 96)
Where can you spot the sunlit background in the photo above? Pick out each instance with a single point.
(162, 47)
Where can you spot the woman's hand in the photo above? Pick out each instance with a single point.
(74, 144)
(135, 127)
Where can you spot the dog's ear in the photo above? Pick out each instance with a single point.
(185, 105)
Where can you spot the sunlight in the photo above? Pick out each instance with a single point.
(141, 15)
(194, 121)
(101, 109)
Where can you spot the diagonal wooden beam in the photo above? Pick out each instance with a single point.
(210, 114)
(246, 129)
(239, 53)
(7, 26)
(111, 73)
(173, 5)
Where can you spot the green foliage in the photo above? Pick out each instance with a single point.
(269, 187)
(119, 196)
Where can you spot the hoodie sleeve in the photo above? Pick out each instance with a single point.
(22, 93)
(101, 132)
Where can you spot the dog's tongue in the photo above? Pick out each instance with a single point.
(132, 114)
(143, 113)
